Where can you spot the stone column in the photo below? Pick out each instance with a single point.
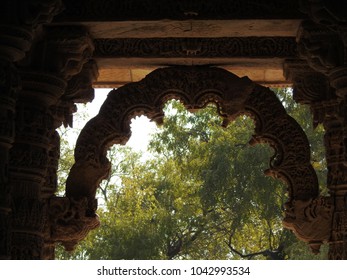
(323, 45)
(53, 61)
(9, 86)
(79, 90)
(18, 22)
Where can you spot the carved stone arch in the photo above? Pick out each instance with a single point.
(195, 87)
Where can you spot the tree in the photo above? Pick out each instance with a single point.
(202, 195)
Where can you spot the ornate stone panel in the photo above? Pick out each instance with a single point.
(254, 47)
(196, 87)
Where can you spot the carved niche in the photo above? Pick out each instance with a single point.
(196, 87)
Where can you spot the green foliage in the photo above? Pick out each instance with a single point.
(202, 195)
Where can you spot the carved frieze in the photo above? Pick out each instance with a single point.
(256, 47)
(89, 10)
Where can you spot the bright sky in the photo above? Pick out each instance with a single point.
(141, 127)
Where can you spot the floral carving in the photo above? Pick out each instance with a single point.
(197, 47)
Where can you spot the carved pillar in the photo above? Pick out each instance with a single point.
(9, 86)
(53, 61)
(79, 90)
(18, 22)
(323, 45)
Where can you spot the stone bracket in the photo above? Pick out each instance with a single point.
(71, 220)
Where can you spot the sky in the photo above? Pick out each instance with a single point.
(141, 127)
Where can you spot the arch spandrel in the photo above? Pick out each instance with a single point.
(196, 87)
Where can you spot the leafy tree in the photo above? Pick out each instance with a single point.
(202, 195)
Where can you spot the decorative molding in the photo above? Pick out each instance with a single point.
(91, 10)
(253, 47)
(196, 87)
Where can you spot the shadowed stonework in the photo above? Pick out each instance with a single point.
(52, 54)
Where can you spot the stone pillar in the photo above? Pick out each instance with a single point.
(9, 86)
(53, 61)
(79, 90)
(323, 44)
(335, 125)
(18, 23)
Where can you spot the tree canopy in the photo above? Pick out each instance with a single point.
(200, 194)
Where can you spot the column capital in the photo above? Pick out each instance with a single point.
(61, 51)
